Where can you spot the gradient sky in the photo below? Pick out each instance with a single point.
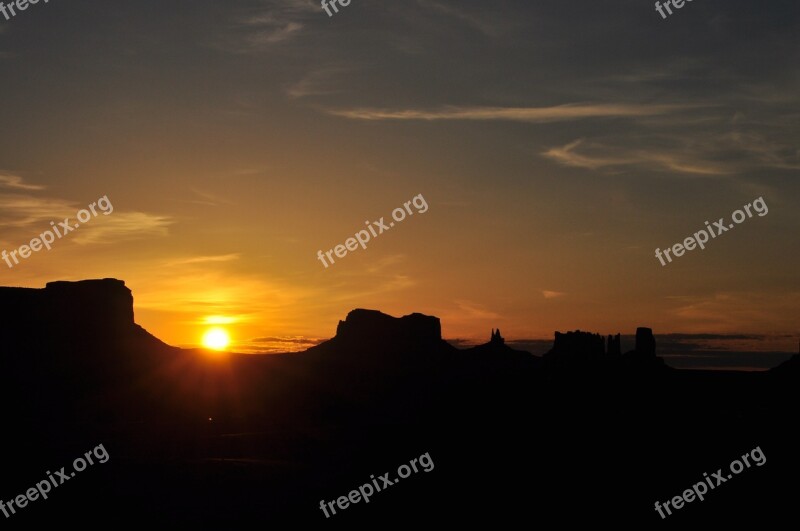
(556, 143)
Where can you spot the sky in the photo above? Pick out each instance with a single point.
(556, 146)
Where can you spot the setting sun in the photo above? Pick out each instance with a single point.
(216, 339)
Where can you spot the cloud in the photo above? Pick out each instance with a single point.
(278, 21)
(319, 82)
(15, 182)
(24, 210)
(122, 226)
(206, 198)
(276, 345)
(552, 294)
(765, 152)
(568, 156)
(681, 337)
(204, 259)
(724, 351)
(371, 279)
(473, 310)
(557, 113)
(681, 161)
(374, 284)
(385, 263)
(736, 312)
(288, 340)
(271, 35)
(479, 22)
(697, 152)
(26, 213)
(462, 343)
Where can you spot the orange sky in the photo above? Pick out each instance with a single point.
(234, 143)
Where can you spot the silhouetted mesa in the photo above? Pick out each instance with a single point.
(72, 349)
(370, 331)
(576, 350)
(578, 343)
(69, 313)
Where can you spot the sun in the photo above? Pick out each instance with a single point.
(216, 339)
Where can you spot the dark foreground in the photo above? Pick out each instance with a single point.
(513, 439)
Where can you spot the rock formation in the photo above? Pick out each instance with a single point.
(614, 345)
(369, 334)
(497, 339)
(645, 342)
(578, 343)
(69, 314)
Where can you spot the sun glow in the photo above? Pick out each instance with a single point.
(216, 339)
(220, 319)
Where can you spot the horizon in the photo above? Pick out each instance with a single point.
(680, 351)
(250, 172)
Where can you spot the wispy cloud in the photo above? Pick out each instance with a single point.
(765, 152)
(474, 310)
(698, 153)
(558, 113)
(204, 259)
(15, 182)
(299, 340)
(122, 226)
(569, 156)
(374, 284)
(552, 294)
(736, 312)
(609, 156)
(277, 21)
(385, 263)
(272, 34)
(28, 212)
(469, 316)
(479, 22)
(23, 210)
(206, 198)
(318, 82)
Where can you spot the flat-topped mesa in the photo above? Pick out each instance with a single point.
(89, 309)
(105, 303)
(578, 343)
(371, 328)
